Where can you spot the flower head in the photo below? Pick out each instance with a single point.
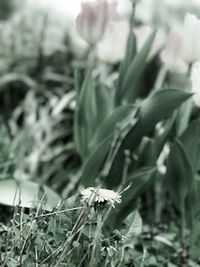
(99, 196)
(191, 40)
(93, 20)
(117, 34)
(171, 56)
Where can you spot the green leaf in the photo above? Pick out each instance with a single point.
(137, 183)
(184, 115)
(191, 141)
(181, 184)
(155, 108)
(134, 224)
(179, 177)
(150, 148)
(101, 144)
(104, 101)
(128, 91)
(95, 162)
(108, 126)
(152, 110)
(85, 115)
(94, 105)
(130, 53)
(164, 240)
(25, 194)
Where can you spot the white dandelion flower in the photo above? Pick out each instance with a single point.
(99, 196)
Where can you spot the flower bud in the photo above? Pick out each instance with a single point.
(93, 20)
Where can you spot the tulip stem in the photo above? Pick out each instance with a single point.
(160, 78)
(92, 57)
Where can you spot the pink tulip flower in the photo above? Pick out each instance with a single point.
(94, 19)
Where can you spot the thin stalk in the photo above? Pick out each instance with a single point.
(95, 240)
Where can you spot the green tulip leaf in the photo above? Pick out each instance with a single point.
(27, 194)
(158, 106)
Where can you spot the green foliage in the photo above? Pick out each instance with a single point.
(191, 142)
(153, 109)
(136, 185)
(131, 51)
(26, 194)
(65, 236)
(109, 125)
(179, 177)
(102, 141)
(127, 90)
(69, 121)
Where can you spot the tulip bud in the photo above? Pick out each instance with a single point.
(191, 40)
(93, 20)
(171, 56)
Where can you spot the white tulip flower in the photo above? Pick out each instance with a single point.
(112, 48)
(191, 38)
(171, 56)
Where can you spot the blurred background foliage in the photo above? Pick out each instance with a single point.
(37, 96)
